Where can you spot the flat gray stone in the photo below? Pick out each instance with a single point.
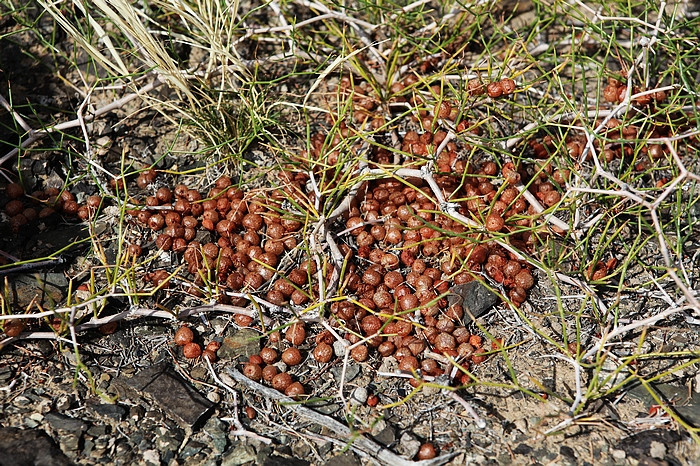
(351, 372)
(170, 392)
(344, 459)
(474, 297)
(240, 455)
(239, 342)
(115, 412)
(62, 422)
(29, 447)
(386, 436)
(46, 287)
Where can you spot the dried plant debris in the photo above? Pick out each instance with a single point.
(377, 234)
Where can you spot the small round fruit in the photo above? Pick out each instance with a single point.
(494, 222)
(209, 355)
(291, 356)
(294, 390)
(192, 350)
(268, 355)
(426, 451)
(183, 336)
(281, 381)
(252, 371)
(323, 353)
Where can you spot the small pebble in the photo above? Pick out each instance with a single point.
(214, 397)
(358, 396)
(339, 348)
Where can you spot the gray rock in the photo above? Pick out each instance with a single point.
(115, 412)
(408, 445)
(28, 447)
(217, 429)
(339, 348)
(241, 454)
(344, 459)
(352, 371)
(192, 448)
(98, 430)
(45, 287)
(324, 406)
(30, 423)
(239, 342)
(169, 391)
(386, 436)
(6, 373)
(62, 422)
(359, 395)
(474, 296)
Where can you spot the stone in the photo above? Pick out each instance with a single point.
(217, 429)
(168, 391)
(344, 459)
(113, 411)
(522, 449)
(619, 455)
(98, 430)
(68, 424)
(408, 445)
(352, 371)
(385, 436)
(657, 450)
(29, 447)
(339, 348)
(192, 448)
(474, 296)
(151, 457)
(275, 460)
(241, 454)
(358, 397)
(324, 406)
(243, 342)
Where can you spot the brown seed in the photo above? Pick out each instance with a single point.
(372, 277)
(291, 356)
(426, 451)
(14, 190)
(494, 89)
(15, 327)
(296, 333)
(294, 390)
(524, 279)
(445, 341)
(252, 371)
(281, 381)
(156, 222)
(209, 355)
(408, 363)
(255, 359)
(386, 348)
(252, 222)
(192, 350)
(370, 324)
(213, 346)
(269, 373)
(250, 412)
(360, 353)
(164, 195)
(323, 353)
(508, 86)
(409, 301)
(494, 222)
(268, 355)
